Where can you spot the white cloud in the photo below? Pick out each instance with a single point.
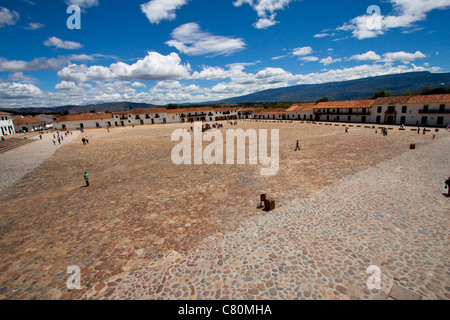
(321, 35)
(81, 57)
(153, 67)
(158, 10)
(265, 9)
(7, 17)
(403, 56)
(82, 3)
(265, 23)
(35, 64)
(358, 72)
(56, 42)
(191, 40)
(211, 73)
(406, 14)
(329, 60)
(309, 59)
(16, 94)
(368, 56)
(17, 90)
(304, 51)
(66, 85)
(34, 26)
(138, 85)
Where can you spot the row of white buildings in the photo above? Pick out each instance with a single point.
(6, 124)
(11, 124)
(431, 110)
(144, 117)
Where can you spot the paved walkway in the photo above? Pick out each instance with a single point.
(16, 163)
(394, 216)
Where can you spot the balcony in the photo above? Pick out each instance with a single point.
(434, 111)
(203, 114)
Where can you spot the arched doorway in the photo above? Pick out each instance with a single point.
(390, 119)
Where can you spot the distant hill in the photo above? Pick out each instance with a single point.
(103, 107)
(397, 84)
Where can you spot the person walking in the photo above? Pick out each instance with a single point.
(86, 179)
(84, 141)
(298, 146)
(447, 185)
(54, 141)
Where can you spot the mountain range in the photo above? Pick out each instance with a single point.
(397, 84)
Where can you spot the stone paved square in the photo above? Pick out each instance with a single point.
(149, 229)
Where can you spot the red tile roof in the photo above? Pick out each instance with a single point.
(437, 98)
(303, 107)
(224, 109)
(345, 104)
(249, 109)
(141, 111)
(26, 121)
(85, 117)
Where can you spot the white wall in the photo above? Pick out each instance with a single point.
(87, 124)
(412, 115)
(6, 126)
(304, 115)
(133, 119)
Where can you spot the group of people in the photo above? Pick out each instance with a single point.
(217, 125)
(85, 140)
(235, 123)
(58, 137)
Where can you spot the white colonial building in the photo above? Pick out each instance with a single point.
(247, 113)
(301, 111)
(84, 121)
(431, 110)
(271, 114)
(344, 111)
(28, 124)
(6, 124)
(140, 117)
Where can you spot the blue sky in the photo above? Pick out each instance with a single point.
(187, 51)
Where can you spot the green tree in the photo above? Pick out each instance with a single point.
(430, 91)
(381, 94)
(324, 99)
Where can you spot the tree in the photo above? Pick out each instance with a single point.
(324, 99)
(381, 94)
(92, 111)
(430, 91)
